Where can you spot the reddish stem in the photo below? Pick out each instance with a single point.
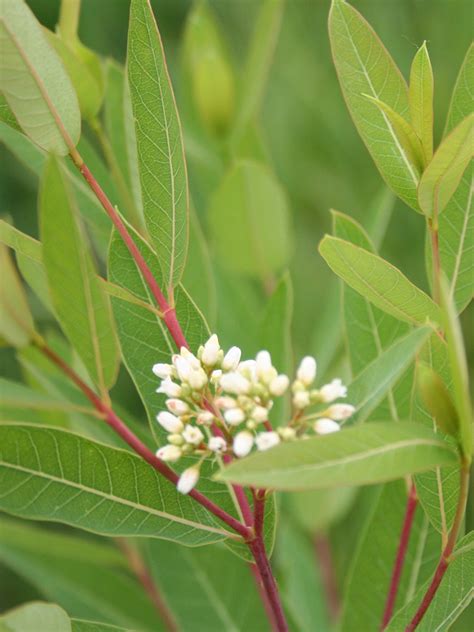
(263, 595)
(323, 555)
(412, 503)
(259, 511)
(446, 555)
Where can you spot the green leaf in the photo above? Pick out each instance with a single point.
(365, 67)
(160, 146)
(368, 582)
(459, 372)
(378, 281)
(372, 384)
(80, 302)
(404, 133)
(86, 577)
(443, 174)
(16, 322)
(6, 115)
(92, 486)
(35, 84)
(453, 596)
(380, 213)
(218, 583)
(82, 625)
(437, 399)
(360, 455)
(249, 222)
(35, 616)
(461, 100)
(420, 95)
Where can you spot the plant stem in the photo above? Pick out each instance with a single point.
(259, 511)
(140, 448)
(434, 233)
(412, 503)
(446, 555)
(69, 19)
(138, 567)
(323, 554)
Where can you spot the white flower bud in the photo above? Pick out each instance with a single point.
(325, 426)
(225, 402)
(234, 416)
(248, 368)
(162, 370)
(177, 406)
(169, 388)
(286, 433)
(259, 414)
(301, 399)
(169, 422)
(329, 392)
(235, 383)
(197, 379)
(339, 412)
(188, 480)
(279, 385)
(243, 442)
(217, 444)
(183, 368)
(205, 418)
(169, 453)
(175, 439)
(210, 352)
(266, 440)
(231, 359)
(190, 357)
(263, 363)
(192, 435)
(216, 376)
(307, 370)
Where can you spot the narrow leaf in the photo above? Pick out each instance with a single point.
(360, 455)
(443, 174)
(380, 282)
(437, 399)
(80, 302)
(92, 486)
(461, 100)
(365, 67)
(160, 146)
(420, 95)
(16, 322)
(35, 84)
(35, 616)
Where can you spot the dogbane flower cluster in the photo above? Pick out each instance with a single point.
(219, 406)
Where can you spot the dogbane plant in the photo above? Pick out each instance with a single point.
(226, 433)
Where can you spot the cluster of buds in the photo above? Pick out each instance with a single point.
(219, 406)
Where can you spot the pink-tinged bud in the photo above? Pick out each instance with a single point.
(169, 388)
(162, 370)
(192, 435)
(329, 392)
(205, 418)
(235, 383)
(234, 416)
(307, 370)
(177, 406)
(279, 385)
(170, 453)
(169, 422)
(326, 426)
(243, 442)
(217, 444)
(231, 359)
(339, 412)
(188, 479)
(267, 440)
(225, 402)
(210, 352)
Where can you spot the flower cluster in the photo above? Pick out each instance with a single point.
(219, 405)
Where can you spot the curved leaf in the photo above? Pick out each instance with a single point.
(35, 616)
(16, 322)
(420, 94)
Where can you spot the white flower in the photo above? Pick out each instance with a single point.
(340, 412)
(235, 383)
(162, 370)
(231, 359)
(263, 363)
(326, 426)
(183, 368)
(217, 444)
(225, 402)
(243, 442)
(205, 418)
(307, 370)
(190, 357)
(266, 440)
(234, 416)
(177, 406)
(197, 379)
(192, 435)
(169, 388)
(279, 385)
(259, 414)
(335, 389)
(169, 453)
(301, 399)
(210, 351)
(188, 480)
(169, 422)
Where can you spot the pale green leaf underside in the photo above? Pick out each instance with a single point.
(378, 281)
(81, 304)
(361, 455)
(34, 81)
(50, 474)
(159, 141)
(35, 616)
(365, 67)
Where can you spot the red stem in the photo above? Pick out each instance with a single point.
(412, 503)
(446, 555)
(322, 550)
(263, 596)
(259, 511)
